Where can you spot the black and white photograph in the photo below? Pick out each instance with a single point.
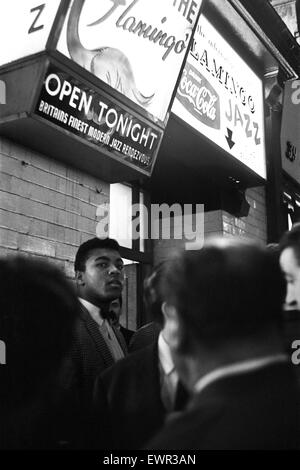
(149, 229)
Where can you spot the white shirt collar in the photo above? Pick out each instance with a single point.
(237, 368)
(93, 310)
(164, 355)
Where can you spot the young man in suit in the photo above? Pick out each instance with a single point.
(223, 306)
(99, 272)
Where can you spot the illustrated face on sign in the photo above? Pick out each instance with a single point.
(135, 46)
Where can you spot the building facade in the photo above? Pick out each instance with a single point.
(52, 187)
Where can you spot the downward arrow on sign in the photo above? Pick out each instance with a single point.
(229, 138)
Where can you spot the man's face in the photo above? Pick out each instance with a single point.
(103, 278)
(290, 267)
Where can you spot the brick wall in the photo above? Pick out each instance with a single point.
(182, 231)
(46, 208)
(255, 224)
(222, 223)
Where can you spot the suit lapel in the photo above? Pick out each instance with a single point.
(121, 339)
(93, 330)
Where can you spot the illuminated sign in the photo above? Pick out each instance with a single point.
(97, 119)
(290, 138)
(25, 27)
(220, 96)
(135, 46)
(105, 81)
(288, 13)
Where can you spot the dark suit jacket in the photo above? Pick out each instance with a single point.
(144, 336)
(249, 411)
(127, 399)
(127, 334)
(88, 357)
(90, 353)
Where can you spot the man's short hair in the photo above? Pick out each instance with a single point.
(38, 310)
(85, 249)
(228, 289)
(291, 239)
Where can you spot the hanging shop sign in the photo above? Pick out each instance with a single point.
(25, 27)
(221, 97)
(287, 10)
(91, 82)
(137, 47)
(98, 119)
(290, 138)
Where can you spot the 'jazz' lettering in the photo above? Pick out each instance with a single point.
(244, 120)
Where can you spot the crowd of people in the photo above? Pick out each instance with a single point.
(211, 370)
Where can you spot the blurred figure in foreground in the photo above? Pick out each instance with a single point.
(223, 306)
(38, 310)
(290, 265)
(148, 334)
(139, 392)
(115, 311)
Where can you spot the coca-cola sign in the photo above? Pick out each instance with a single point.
(199, 97)
(221, 97)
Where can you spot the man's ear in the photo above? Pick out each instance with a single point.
(171, 330)
(79, 278)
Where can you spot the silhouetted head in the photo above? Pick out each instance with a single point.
(227, 291)
(153, 297)
(99, 270)
(38, 309)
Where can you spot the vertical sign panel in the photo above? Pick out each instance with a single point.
(287, 10)
(24, 27)
(221, 97)
(290, 137)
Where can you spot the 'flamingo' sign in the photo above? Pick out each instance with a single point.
(135, 46)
